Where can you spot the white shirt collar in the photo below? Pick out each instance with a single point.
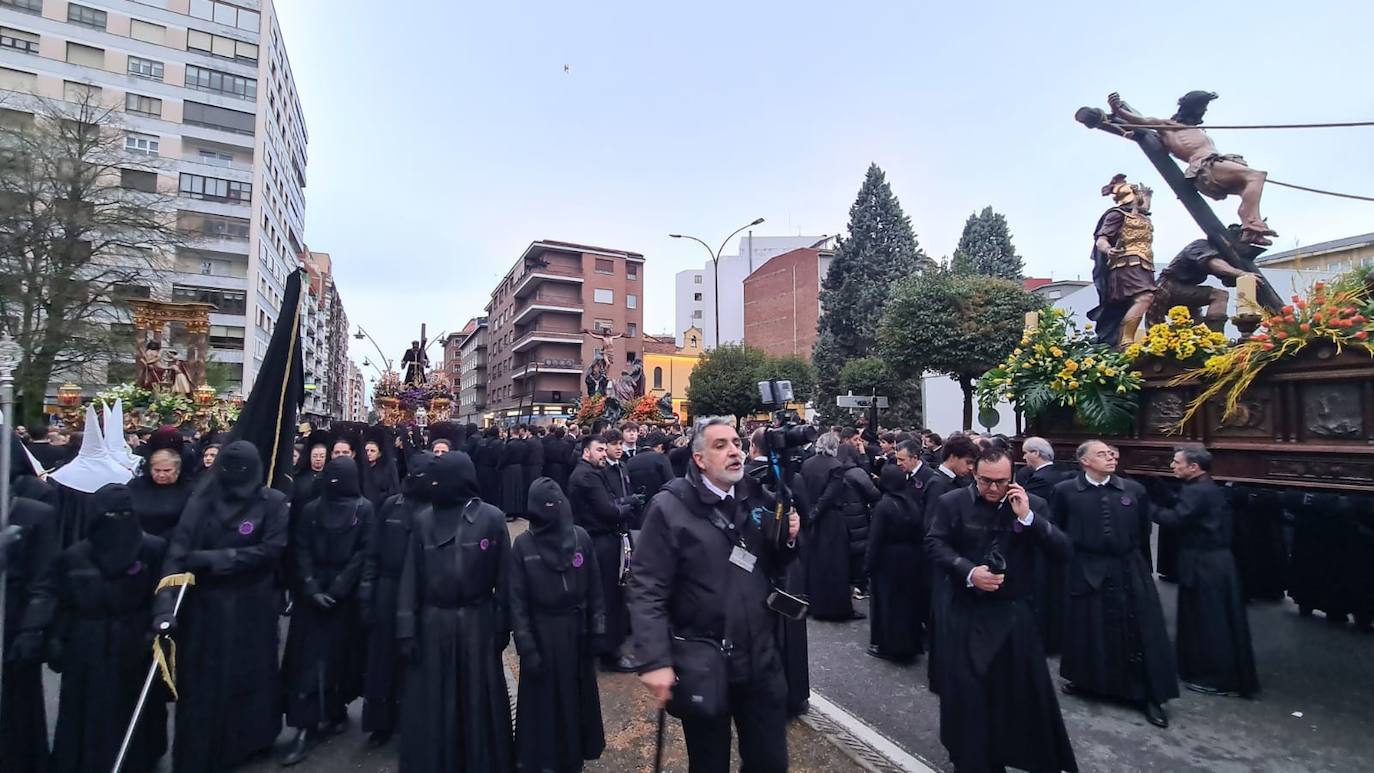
(917, 468)
(1092, 482)
(948, 472)
(1043, 466)
(711, 487)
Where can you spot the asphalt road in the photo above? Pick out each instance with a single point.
(1313, 713)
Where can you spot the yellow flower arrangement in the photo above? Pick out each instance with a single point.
(1179, 338)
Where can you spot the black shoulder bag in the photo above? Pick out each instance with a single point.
(701, 664)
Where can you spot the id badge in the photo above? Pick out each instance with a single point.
(743, 559)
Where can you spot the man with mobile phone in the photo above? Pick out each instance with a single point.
(985, 540)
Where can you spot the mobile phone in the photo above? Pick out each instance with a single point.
(787, 605)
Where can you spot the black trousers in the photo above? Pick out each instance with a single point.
(758, 708)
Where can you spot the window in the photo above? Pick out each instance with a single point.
(604, 266)
(696, 278)
(147, 32)
(80, 93)
(602, 295)
(200, 187)
(145, 144)
(658, 378)
(696, 296)
(141, 105)
(238, 122)
(85, 55)
(18, 40)
(225, 13)
(227, 301)
(696, 314)
(221, 82)
(631, 301)
(138, 180)
(218, 45)
(86, 17)
(215, 157)
(226, 337)
(32, 6)
(18, 80)
(631, 271)
(631, 330)
(602, 325)
(691, 343)
(145, 68)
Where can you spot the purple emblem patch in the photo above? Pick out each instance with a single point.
(484, 544)
(136, 568)
(355, 521)
(1126, 501)
(246, 528)
(578, 560)
(920, 484)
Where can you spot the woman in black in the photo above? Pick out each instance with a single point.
(95, 607)
(323, 665)
(896, 567)
(379, 478)
(451, 624)
(555, 607)
(159, 493)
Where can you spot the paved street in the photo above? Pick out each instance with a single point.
(1306, 666)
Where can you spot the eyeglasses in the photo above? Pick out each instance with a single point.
(992, 482)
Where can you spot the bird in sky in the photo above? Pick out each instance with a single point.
(567, 69)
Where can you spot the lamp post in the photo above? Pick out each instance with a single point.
(361, 334)
(715, 265)
(10, 354)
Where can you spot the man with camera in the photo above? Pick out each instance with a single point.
(998, 707)
(701, 599)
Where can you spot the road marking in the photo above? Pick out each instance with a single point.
(867, 746)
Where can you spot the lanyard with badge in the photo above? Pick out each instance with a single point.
(740, 554)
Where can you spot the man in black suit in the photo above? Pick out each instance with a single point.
(1038, 477)
(47, 454)
(649, 468)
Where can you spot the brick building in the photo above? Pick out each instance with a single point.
(782, 302)
(536, 347)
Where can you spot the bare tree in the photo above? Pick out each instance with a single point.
(83, 223)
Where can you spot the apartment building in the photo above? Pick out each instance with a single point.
(206, 88)
(471, 384)
(537, 346)
(324, 339)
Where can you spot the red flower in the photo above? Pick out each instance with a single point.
(1304, 327)
(1362, 335)
(1281, 335)
(1287, 309)
(1268, 347)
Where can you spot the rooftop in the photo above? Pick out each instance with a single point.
(1320, 248)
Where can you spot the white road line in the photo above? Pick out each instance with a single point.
(885, 747)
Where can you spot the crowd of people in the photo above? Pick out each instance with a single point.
(683, 557)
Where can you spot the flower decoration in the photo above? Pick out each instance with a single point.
(1179, 338)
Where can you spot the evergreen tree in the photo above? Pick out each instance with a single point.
(879, 250)
(985, 247)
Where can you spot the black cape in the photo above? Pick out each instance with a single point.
(452, 605)
(897, 570)
(513, 486)
(595, 510)
(555, 607)
(23, 719)
(825, 551)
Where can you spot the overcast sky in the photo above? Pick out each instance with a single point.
(445, 136)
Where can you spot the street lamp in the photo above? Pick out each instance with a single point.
(361, 334)
(715, 264)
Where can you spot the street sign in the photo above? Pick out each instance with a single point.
(861, 401)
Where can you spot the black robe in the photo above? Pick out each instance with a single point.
(851, 491)
(229, 707)
(452, 605)
(791, 634)
(23, 718)
(825, 551)
(897, 570)
(159, 507)
(98, 621)
(554, 613)
(391, 540)
(380, 481)
(1048, 598)
(557, 459)
(997, 702)
(325, 655)
(488, 461)
(1115, 643)
(595, 510)
(936, 485)
(511, 466)
(534, 462)
(1214, 648)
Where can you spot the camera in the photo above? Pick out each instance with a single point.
(788, 430)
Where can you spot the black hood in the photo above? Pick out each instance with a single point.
(114, 532)
(19, 460)
(551, 524)
(421, 469)
(453, 480)
(238, 470)
(340, 479)
(891, 480)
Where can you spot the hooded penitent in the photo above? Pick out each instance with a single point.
(417, 482)
(453, 481)
(114, 437)
(114, 533)
(93, 466)
(551, 524)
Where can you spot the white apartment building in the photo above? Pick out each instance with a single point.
(206, 86)
(694, 296)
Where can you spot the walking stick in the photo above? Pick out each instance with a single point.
(147, 686)
(658, 747)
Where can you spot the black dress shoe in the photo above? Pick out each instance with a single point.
(1155, 714)
(378, 739)
(297, 750)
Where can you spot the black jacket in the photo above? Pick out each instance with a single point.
(683, 583)
(1040, 482)
(593, 505)
(649, 471)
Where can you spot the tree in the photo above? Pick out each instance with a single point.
(725, 382)
(873, 376)
(985, 247)
(83, 223)
(879, 250)
(957, 325)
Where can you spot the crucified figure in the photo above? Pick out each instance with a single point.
(1214, 174)
(607, 342)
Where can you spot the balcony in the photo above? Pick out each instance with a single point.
(547, 365)
(534, 277)
(534, 337)
(540, 302)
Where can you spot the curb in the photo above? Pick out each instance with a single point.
(869, 749)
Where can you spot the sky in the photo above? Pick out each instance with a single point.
(446, 136)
